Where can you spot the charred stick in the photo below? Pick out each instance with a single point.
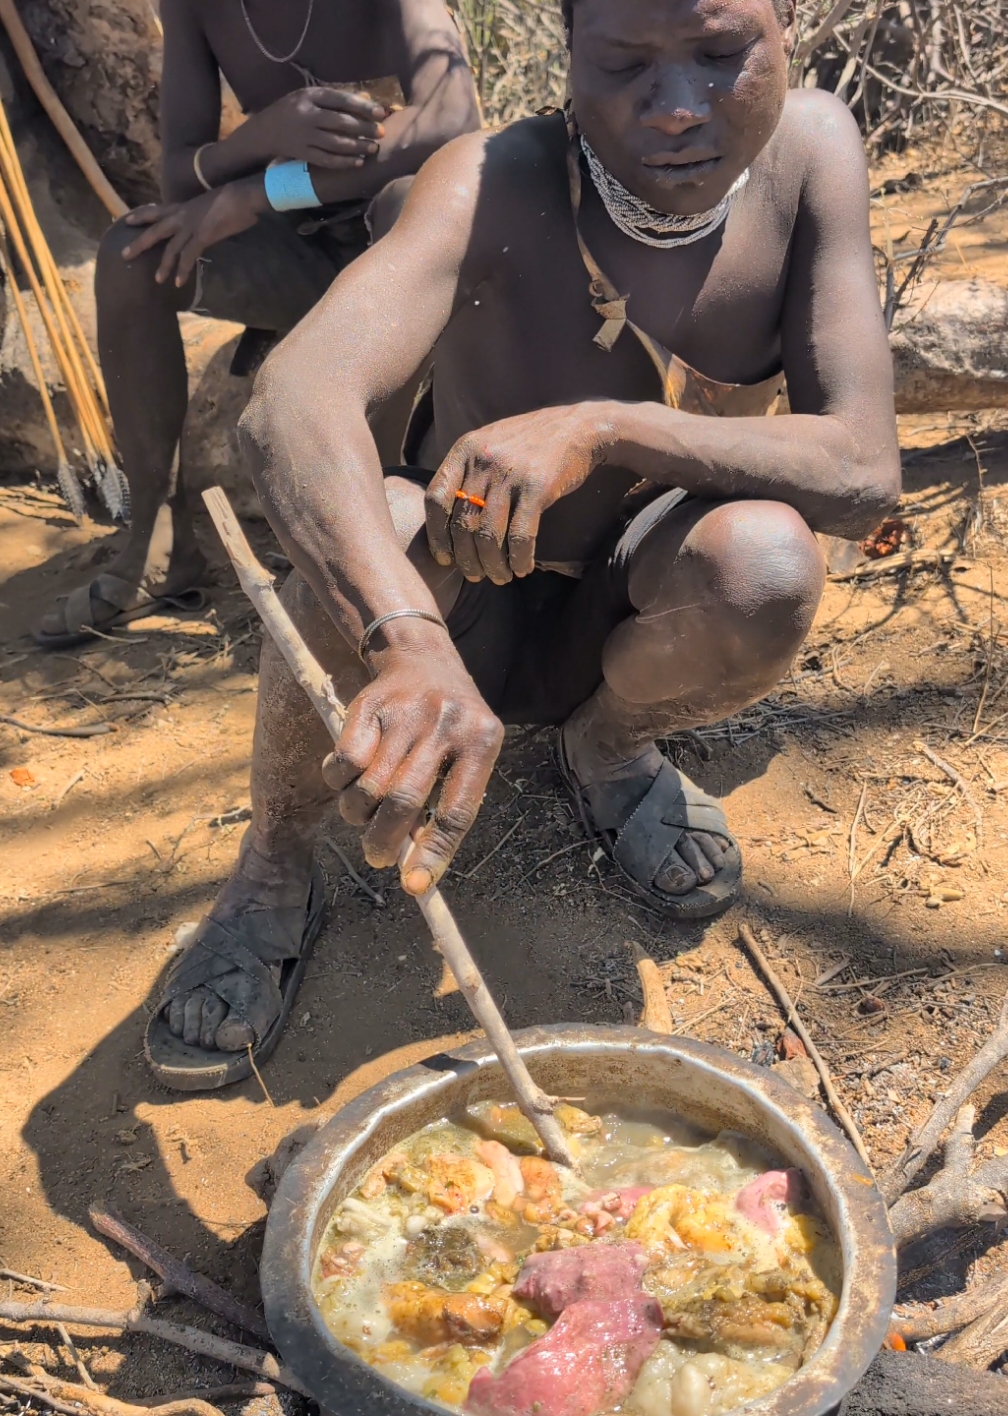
(179, 1276)
(984, 1340)
(924, 1141)
(954, 1315)
(794, 1021)
(258, 586)
(959, 1194)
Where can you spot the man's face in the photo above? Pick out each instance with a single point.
(677, 97)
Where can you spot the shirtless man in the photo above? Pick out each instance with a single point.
(591, 549)
(224, 251)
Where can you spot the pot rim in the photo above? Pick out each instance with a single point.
(334, 1373)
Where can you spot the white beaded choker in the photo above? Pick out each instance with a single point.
(641, 221)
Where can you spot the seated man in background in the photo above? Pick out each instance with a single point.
(240, 245)
(579, 541)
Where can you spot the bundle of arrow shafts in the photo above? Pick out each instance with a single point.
(77, 367)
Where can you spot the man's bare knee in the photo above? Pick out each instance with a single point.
(383, 212)
(749, 556)
(120, 285)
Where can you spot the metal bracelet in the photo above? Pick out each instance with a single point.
(383, 620)
(198, 167)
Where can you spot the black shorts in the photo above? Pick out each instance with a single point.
(270, 276)
(534, 647)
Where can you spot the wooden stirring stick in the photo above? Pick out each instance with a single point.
(258, 586)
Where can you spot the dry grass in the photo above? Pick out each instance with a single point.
(905, 70)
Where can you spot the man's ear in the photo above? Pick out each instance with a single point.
(788, 19)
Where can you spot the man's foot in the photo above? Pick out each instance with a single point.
(668, 837)
(233, 988)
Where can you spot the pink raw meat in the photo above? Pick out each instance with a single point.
(587, 1363)
(764, 1200)
(553, 1281)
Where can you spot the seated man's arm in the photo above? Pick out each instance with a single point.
(352, 147)
(190, 99)
(440, 102)
(318, 473)
(835, 460)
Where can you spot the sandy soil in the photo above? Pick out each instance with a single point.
(109, 845)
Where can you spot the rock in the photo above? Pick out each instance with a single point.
(950, 348)
(103, 58)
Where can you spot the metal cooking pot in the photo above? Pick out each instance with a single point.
(700, 1083)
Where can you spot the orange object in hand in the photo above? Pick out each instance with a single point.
(473, 501)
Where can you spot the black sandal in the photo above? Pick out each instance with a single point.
(233, 962)
(643, 844)
(128, 603)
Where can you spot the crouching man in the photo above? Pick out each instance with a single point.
(600, 527)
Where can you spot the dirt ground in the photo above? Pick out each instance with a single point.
(108, 845)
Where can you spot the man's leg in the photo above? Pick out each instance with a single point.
(143, 364)
(725, 594)
(288, 794)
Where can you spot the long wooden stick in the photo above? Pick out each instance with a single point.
(62, 122)
(204, 1344)
(176, 1274)
(258, 586)
(784, 999)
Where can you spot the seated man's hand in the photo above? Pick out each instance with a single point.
(324, 126)
(190, 228)
(508, 474)
(422, 720)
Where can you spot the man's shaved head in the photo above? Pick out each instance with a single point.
(677, 98)
(783, 9)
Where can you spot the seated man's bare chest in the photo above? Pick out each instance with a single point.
(347, 43)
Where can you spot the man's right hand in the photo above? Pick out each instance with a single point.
(422, 719)
(326, 127)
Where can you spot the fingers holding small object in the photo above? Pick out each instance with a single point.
(468, 522)
(439, 503)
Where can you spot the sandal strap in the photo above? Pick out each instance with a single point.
(220, 960)
(650, 835)
(78, 614)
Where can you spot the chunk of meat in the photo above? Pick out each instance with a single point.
(508, 1179)
(675, 1217)
(430, 1316)
(342, 1262)
(456, 1182)
(619, 1203)
(765, 1199)
(504, 1122)
(543, 1190)
(588, 1362)
(552, 1282)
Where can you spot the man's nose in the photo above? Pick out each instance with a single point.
(676, 104)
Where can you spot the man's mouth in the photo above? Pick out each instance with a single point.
(682, 165)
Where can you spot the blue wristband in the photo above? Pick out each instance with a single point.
(289, 187)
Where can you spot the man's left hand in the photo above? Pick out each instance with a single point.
(190, 228)
(510, 473)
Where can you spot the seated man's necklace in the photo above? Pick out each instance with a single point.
(643, 222)
(309, 78)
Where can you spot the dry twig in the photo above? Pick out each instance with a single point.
(204, 1344)
(178, 1276)
(924, 1141)
(657, 1016)
(793, 1021)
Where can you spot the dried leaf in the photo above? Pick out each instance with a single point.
(21, 777)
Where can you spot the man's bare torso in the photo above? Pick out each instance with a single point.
(522, 334)
(348, 43)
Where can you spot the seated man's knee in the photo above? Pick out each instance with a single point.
(119, 281)
(383, 212)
